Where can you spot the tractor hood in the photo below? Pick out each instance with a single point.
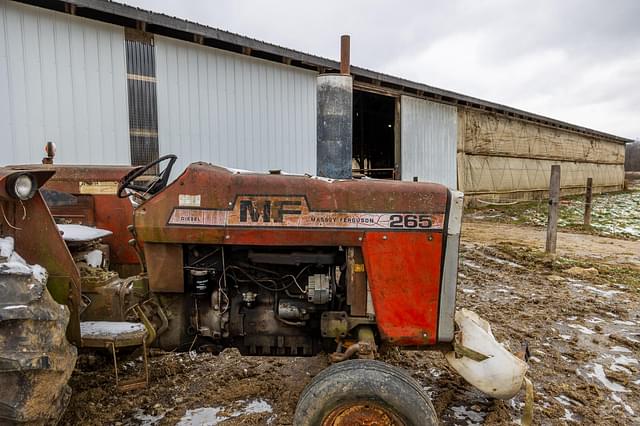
(209, 199)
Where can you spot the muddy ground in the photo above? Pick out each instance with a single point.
(578, 312)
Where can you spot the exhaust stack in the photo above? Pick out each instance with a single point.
(335, 119)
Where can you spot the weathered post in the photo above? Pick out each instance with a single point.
(587, 202)
(554, 199)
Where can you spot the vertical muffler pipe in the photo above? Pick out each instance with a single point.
(335, 119)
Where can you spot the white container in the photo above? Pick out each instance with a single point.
(501, 374)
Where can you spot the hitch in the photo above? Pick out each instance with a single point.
(365, 348)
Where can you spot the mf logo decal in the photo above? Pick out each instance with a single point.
(293, 212)
(268, 210)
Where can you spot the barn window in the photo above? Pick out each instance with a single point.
(143, 106)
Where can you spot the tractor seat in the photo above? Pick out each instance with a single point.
(111, 335)
(73, 233)
(96, 334)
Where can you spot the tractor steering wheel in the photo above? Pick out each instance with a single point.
(157, 183)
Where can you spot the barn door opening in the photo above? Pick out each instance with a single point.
(374, 135)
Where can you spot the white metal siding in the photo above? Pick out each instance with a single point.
(234, 110)
(62, 79)
(428, 141)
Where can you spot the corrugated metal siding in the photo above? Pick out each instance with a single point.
(143, 106)
(428, 141)
(63, 79)
(234, 110)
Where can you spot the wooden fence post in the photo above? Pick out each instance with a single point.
(554, 199)
(587, 202)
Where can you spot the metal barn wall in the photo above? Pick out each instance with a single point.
(62, 79)
(234, 110)
(428, 141)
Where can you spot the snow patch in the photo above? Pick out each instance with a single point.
(147, 419)
(471, 264)
(210, 416)
(502, 261)
(39, 273)
(81, 234)
(16, 258)
(619, 400)
(600, 376)
(15, 268)
(6, 247)
(624, 360)
(581, 328)
(621, 349)
(601, 292)
(94, 258)
(569, 416)
(620, 322)
(14, 307)
(565, 400)
(109, 329)
(473, 418)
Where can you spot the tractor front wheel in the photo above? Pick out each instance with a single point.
(364, 392)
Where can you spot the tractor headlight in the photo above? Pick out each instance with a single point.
(23, 186)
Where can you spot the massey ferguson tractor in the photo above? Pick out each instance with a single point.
(116, 257)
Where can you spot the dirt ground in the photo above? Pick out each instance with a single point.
(579, 313)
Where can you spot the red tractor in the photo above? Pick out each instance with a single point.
(270, 263)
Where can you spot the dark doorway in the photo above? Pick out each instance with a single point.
(374, 124)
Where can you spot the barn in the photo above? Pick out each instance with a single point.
(114, 84)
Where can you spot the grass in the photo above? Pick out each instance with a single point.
(613, 214)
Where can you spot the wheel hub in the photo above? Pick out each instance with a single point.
(362, 413)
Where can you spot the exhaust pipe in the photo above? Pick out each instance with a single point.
(335, 119)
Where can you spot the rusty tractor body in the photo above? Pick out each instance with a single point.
(271, 263)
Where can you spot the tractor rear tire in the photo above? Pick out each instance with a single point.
(36, 360)
(364, 392)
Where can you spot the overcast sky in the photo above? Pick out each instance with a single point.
(573, 60)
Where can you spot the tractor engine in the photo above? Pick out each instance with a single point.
(263, 300)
